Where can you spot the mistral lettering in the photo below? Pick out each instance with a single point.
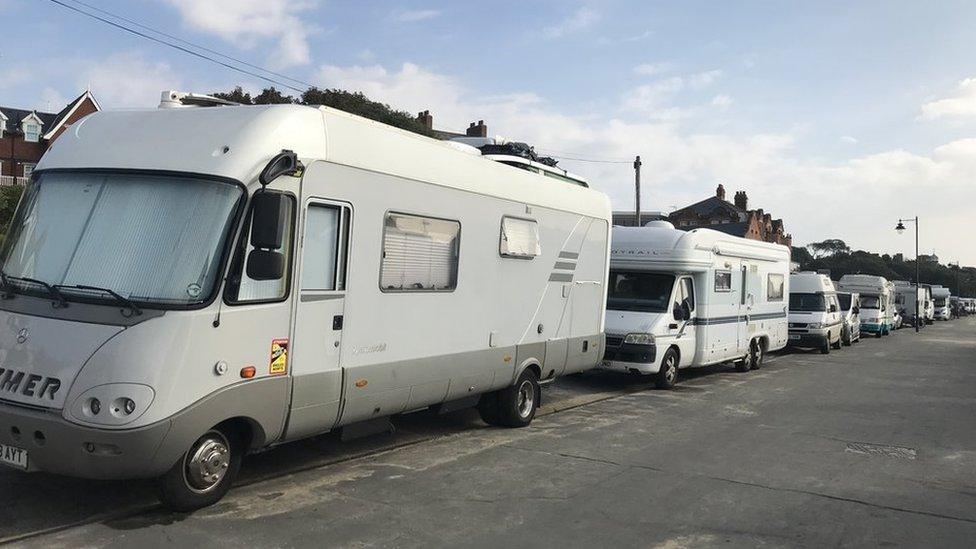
(31, 385)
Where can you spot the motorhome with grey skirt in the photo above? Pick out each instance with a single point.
(223, 279)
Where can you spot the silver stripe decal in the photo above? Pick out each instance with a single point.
(568, 255)
(320, 297)
(560, 277)
(564, 265)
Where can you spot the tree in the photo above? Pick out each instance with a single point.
(829, 247)
(9, 197)
(351, 102)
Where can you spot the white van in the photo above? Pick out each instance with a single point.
(877, 301)
(908, 298)
(815, 315)
(941, 303)
(190, 284)
(681, 299)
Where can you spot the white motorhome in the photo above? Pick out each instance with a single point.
(941, 305)
(877, 301)
(815, 317)
(681, 299)
(189, 284)
(928, 304)
(907, 299)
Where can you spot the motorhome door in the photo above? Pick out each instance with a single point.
(686, 339)
(318, 317)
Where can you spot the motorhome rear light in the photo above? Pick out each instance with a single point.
(248, 372)
(94, 406)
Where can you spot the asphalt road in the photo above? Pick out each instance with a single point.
(871, 445)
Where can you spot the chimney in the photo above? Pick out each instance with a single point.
(720, 192)
(477, 130)
(741, 200)
(426, 120)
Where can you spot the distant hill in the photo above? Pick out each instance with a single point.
(835, 256)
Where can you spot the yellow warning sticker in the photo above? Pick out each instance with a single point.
(279, 356)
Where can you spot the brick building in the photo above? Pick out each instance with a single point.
(733, 218)
(26, 134)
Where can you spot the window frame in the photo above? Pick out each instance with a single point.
(782, 287)
(343, 236)
(240, 247)
(501, 237)
(715, 281)
(37, 133)
(457, 263)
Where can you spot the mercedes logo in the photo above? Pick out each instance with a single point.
(23, 335)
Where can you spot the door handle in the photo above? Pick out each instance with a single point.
(337, 322)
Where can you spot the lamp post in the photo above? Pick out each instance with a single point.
(918, 283)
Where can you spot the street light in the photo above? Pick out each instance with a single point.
(918, 283)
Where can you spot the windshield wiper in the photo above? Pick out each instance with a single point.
(59, 301)
(118, 297)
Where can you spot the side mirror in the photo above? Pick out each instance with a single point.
(269, 211)
(678, 312)
(833, 308)
(265, 265)
(686, 308)
(284, 163)
(857, 310)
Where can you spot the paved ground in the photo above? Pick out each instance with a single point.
(871, 445)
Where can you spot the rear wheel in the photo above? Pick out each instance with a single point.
(837, 344)
(825, 348)
(205, 472)
(757, 354)
(488, 408)
(846, 338)
(667, 376)
(518, 404)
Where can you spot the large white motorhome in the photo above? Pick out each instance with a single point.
(876, 304)
(912, 301)
(941, 303)
(928, 304)
(188, 284)
(681, 299)
(815, 318)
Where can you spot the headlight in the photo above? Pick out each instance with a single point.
(112, 404)
(815, 325)
(639, 339)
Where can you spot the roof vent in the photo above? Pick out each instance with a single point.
(172, 99)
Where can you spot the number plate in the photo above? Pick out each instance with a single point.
(794, 337)
(13, 456)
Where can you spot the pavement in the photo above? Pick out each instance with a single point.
(872, 445)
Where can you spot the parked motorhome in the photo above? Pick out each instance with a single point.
(224, 279)
(815, 318)
(681, 299)
(907, 298)
(851, 311)
(941, 303)
(877, 301)
(928, 304)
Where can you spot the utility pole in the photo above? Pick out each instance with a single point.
(637, 212)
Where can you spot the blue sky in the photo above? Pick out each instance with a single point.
(839, 117)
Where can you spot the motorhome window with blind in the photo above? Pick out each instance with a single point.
(420, 254)
(774, 287)
(519, 238)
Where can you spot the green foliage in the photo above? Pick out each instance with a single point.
(829, 247)
(352, 102)
(9, 197)
(961, 281)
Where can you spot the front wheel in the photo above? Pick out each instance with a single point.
(756, 354)
(205, 472)
(667, 376)
(846, 338)
(825, 348)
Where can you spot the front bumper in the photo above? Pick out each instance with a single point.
(872, 327)
(806, 339)
(56, 445)
(628, 357)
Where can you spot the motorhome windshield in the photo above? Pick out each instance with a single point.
(845, 301)
(639, 291)
(940, 302)
(807, 303)
(870, 302)
(150, 238)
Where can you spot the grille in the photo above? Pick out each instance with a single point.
(614, 341)
(798, 324)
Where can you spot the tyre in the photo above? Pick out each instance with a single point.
(757, 354)
(837, 344)
(488, 409)
(667, 376)
(878, 333)
(204, 473)
(825, 348)
(518, 404)
(845, 338)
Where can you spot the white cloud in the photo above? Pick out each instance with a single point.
(721, 100)
(961, 103)
(681, 164)
(849, 139)
(652, 69)
(703, 80)
(412, 16)
(580, 19)
(128, 80)
(247, 23)
(51, 100)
